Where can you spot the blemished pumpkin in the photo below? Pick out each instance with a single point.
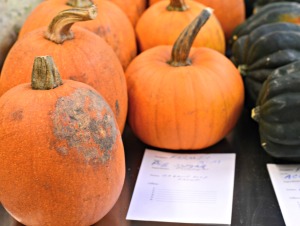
(132, 8)
(162, 23)
(79, 55)
(277, 113)
(228, 20)
(111, 24)
(61, 153)
(182, 97)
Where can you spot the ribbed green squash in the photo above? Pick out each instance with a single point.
(260, 52)
(278, 113)
(270, 13)
(260, 3)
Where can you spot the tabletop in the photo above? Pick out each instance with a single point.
(254, 200)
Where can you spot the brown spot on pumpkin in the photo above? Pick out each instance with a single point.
(17, 115)
(84, 122)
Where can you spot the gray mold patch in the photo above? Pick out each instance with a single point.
(81, 121)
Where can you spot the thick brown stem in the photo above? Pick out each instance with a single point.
(80, 3)
(45, 74)
(181, 48)
(59, 29)
(177, 5)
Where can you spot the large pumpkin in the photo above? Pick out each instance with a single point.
(183, 98)
(277, 113)
(111, 24)
(61, 153)
(79, 54)
(162, 23)
(228, 21)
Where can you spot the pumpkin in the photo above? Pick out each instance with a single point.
(183, 98)
(79, 54)
(270, 13)
(256, 62)
(13, 14)
(132, 8)
(221, 8)
(111, 24)
(277, 113)
(162, 23)
(61, 152)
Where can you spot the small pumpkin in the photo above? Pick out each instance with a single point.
(79, 54)
(162, 23)
(228, 21)
(61, 152)
(270, 13)
(182, 97)
(256, 62)
(277, 113)
(111, 23)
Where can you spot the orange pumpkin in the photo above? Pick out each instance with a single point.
(132, 8)
(183, 98)
(111, 23)
(162, 23)
(79, 54)
(61, 153)
(230, 13)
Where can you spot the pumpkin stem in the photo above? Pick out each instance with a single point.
(183, 44)
(80, 3)
(177, 5)
(255, 113)
(45, 74)
(59, 28)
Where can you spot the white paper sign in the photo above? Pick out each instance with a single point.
(184, 188)
(286, 182)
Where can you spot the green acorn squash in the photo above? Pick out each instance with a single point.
(270, 13)
(277, 113)
(260, 52)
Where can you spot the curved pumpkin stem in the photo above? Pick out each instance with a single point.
(80, 3)
(45, 74)
(181, 48)
(177, 5)
(59, 29)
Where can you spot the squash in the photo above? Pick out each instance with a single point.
(61, 152)
(270, 13)
(256, 62)
(13, 14)
(277, 113)
(183, 98)
(111, 24)
(79, 54)
(260, 3)
(228, 21)
(132, 8)
(162, 23)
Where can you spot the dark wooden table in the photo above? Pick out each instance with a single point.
(254, 201)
